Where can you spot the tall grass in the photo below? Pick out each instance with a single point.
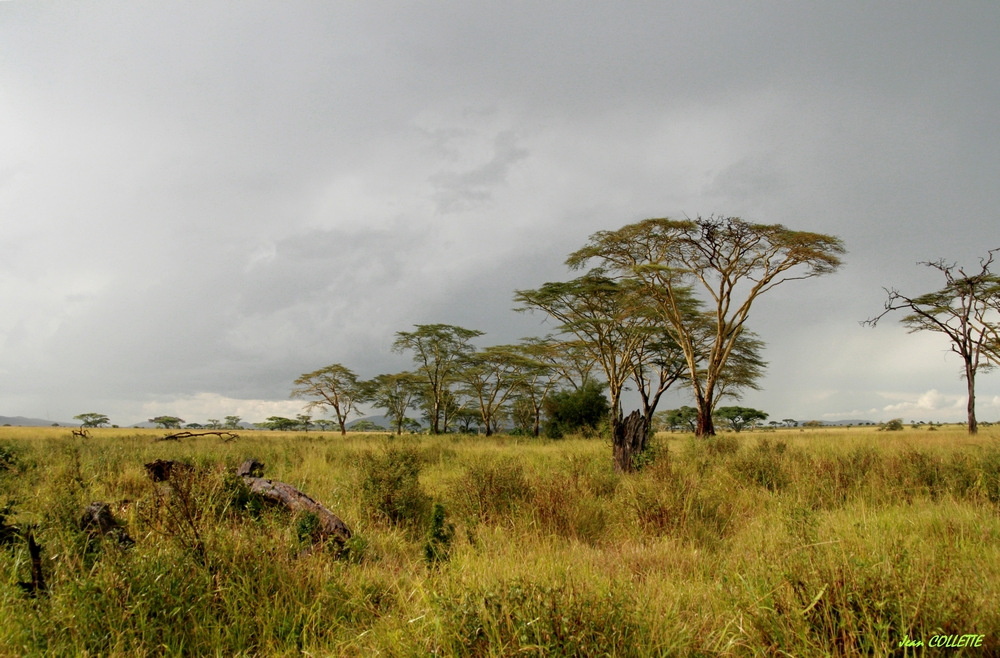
(824, 542)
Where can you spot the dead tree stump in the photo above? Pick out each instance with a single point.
(37, 584)
(629, 440)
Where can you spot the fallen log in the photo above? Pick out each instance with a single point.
(177, 436)
(330, 526)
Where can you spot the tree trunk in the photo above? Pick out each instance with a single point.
(705, 425)
(970, 379)
(629, 439)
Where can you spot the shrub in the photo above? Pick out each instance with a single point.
(894, 425)
(990, 478)
(581, 410)
(439, 536)
(8, 457)
(390, 484)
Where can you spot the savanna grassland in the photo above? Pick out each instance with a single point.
(799, 543)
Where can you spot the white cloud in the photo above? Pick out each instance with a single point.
(201, 407)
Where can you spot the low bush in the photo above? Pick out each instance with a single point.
(390, 484)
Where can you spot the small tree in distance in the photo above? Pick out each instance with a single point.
(439, 352)
(394, 393)
(92, 420)
(334, 387)
(167, 422)
(739, 418)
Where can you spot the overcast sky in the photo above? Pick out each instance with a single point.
(200, 201)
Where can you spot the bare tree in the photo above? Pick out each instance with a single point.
(966, 310)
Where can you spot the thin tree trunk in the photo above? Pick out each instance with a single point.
(970, 379)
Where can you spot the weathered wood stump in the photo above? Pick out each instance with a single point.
(330, 525)
(629, 440)
(37, 584)
(161, 469)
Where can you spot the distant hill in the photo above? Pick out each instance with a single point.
(21, 421)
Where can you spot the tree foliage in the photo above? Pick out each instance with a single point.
(574, 411)
(279, 424)
(167, 422)
(684, 418)
(397, 394)
(490, 377)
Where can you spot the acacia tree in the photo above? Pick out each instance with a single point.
(606, 318)
(334, 387)
(491, 377)
(394, 393)
(739, 418)
(732, 261)
(92, 420)
(539, 378)
(439, 351)
(966, 310)
(167, 422)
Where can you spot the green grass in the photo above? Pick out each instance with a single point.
(801, 543)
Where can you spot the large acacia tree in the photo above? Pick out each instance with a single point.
(966, 310)
(732, 262)
(439, 352)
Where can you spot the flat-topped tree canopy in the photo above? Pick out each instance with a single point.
(729, 260)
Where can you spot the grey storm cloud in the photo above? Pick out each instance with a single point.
(200, 201)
